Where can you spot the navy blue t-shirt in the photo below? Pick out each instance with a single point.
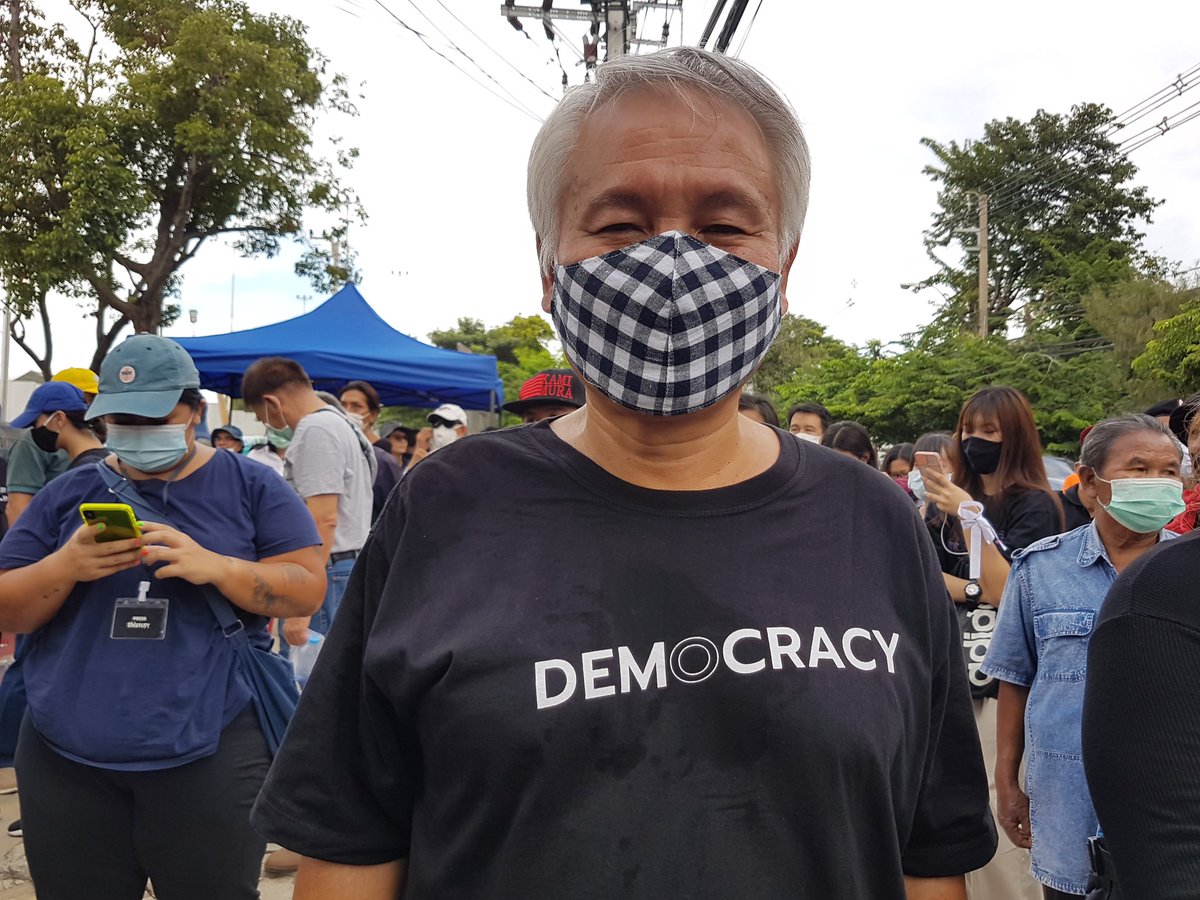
(149, 704)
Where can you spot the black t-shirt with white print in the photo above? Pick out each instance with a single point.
(544, 682)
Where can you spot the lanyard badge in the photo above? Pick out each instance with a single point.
(142, 618)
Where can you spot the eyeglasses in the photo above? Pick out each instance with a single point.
(438, 421)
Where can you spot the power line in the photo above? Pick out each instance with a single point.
(502, 57)
(1005, 191)
(1069, 179)
(469, 58)
(425, 40)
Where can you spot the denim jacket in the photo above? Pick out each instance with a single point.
(1052, 599)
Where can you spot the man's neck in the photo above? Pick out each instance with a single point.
(1122, 545)
(713, 448)
(304, 403)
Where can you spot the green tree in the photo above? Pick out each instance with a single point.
(1064, 217)
(177, 122)
(521, 347)
(1172, 356)
(1125, 314)
(921, 388)
(800, 345)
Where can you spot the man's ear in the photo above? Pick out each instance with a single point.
(785, 270)
(547, 280)
(1087, 481)
(200, 411)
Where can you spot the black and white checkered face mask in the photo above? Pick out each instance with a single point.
(667, 326)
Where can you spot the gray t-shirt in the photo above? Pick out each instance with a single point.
(328, 455)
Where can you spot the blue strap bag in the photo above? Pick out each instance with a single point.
(269, 676)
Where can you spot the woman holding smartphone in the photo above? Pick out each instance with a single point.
(995, 458)
(141, 753)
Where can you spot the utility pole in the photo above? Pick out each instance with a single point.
(984, 307)
(618, 16)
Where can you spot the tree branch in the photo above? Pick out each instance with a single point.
(108, 297)
(131, 265)
(105, 340)
(42, 364)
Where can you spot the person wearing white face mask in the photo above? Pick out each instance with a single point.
(449, 423)
(1130, 472)
(141, 699)
(650, 648)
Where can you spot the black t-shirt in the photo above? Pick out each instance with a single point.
(544, 682)
(1141, 729)
(387, 476)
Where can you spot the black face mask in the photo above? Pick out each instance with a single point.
(983, 456)
(46, 440)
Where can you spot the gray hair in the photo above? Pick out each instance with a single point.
(679, 69)
(1097, 446)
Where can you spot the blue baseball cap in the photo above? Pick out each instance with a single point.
(232, 430)
(145, 375)
(50, 397)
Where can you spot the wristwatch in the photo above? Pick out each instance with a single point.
(972, 592)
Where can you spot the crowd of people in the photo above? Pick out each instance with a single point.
(654, 642)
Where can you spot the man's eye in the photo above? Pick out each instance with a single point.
(617, 227)
(723, 229)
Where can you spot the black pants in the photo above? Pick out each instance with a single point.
(97, 834)
(1049, 893)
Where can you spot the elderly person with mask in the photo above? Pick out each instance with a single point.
(1129, 470)
(661, 711)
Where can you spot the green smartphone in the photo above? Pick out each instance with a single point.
(120, 524)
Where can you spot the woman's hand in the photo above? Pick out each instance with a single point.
(1012, 810)
(184, 558)
(942, 493)
(88, 559)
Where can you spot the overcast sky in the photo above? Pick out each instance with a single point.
(442, 169)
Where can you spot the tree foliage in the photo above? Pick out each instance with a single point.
(1064, 217)
(922, 388)
(1172, 356)
(800, 345)
(521, 347)
(176, 122)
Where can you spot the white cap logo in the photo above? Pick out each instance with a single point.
(127, 374)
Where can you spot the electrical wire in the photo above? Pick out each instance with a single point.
(1069, 179)
(521, 108)
(1006, 190)
(469, 58)
(497, 53)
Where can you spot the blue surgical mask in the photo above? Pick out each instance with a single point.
(916, 484)
(1144, 505)
(148, 448)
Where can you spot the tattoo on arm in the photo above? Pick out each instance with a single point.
(294, 574)
(264, 594)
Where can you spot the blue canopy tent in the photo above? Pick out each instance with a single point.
(343, 339)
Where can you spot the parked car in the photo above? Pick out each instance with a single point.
(1057, 470)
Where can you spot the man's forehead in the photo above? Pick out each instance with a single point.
(648, 140)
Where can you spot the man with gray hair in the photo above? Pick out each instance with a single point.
(1129, 476)
(575, 659)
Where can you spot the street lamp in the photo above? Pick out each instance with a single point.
(192, 316)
